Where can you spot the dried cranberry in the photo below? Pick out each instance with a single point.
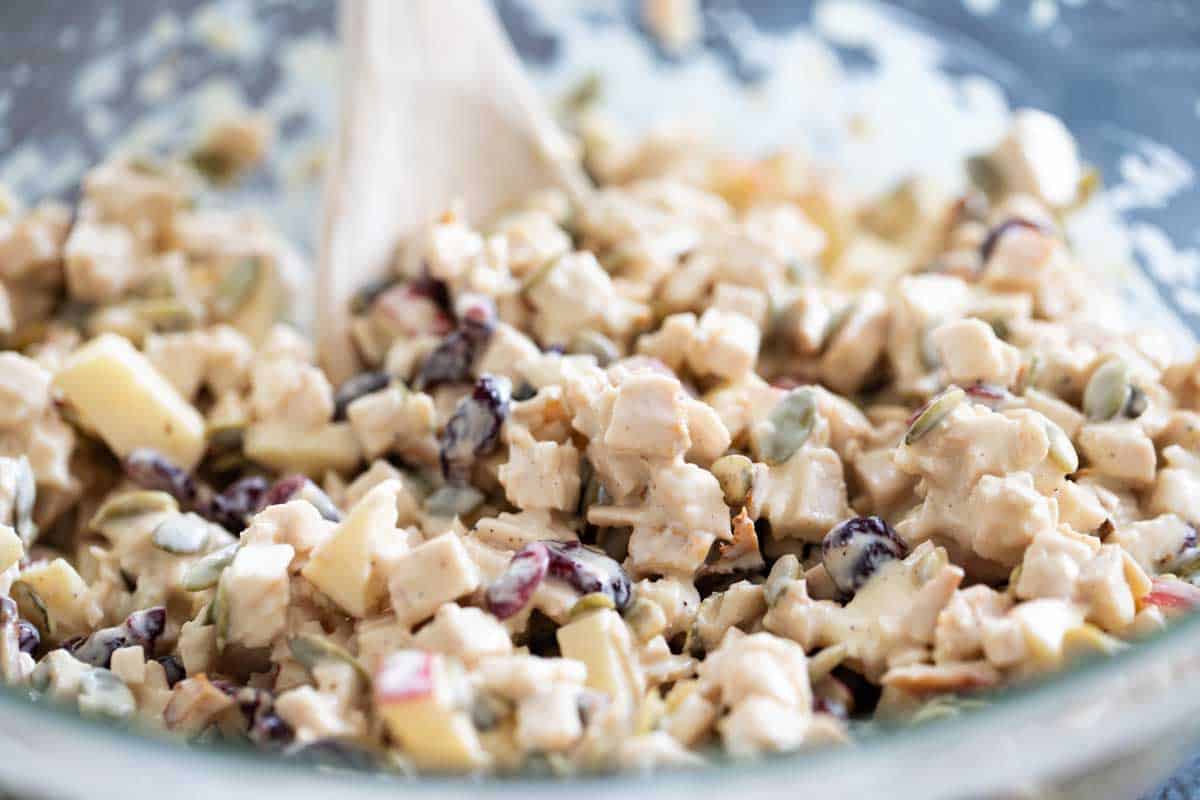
(233, 507)
(476, 316)
(270, 731)
(450, 362)
(433, 289)
(827, 705)
(855, 549)
(474, 428)
(144, 627)
(150, 469)
(994, 235)
(864, 694)
(335, 754)
(360, 385)
(404, 312)
(173, 669)
(140, 628)
(299, 487)
(97, 649)
(284, 489)
(589, 571)
(370, 291)
(509, 593)
(28, 637)
(989, 394)
(971, 207)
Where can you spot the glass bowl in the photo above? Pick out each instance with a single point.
(878, 90)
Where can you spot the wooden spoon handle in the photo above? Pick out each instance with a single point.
(435, 107)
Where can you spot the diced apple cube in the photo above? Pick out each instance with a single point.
(11, 548)
(436, 572)
(1045, 622)
(548, 720)
(282, 447)
(415, 700)
(120, 395)
(469, 634)
(69, 604)
(258, 593)
(601, 641)
(344, 565)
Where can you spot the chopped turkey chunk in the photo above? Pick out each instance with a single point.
(256, 590)
(970, 351)
(430, 574)
(803, 497)
(540, 474)
(1119, 450)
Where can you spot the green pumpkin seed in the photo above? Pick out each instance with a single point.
(1014, 577)
(837, 321)
(237, 286)
(1107, 391)
(103, 694)
(32, 608)
(1062, 453)
(1028, 377)
(930, 359)
(361, 301)
(593, 493)
(986, 176)
(184, 534)
(214, 164)
(226, 438)
(596, 601)
(790, 424)
(538, 275)
(1090, 183)
(147, 164)
(596, 344)
(453, 501)
(785, 570)
(219, 612)
(735, 473)
(585, 94)
(310, 650)
(645, 618)
(1187, 566)
(693, 643)
(825, 661)
(944, 707)
(126, 505)
(937, 410)
(487, 710)
(1137, 403)
(800, 273)
(206, 572)
(164, 313)
(23, 502)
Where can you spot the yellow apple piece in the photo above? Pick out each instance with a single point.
(414, 697)
(11, 548)
(282, 447)
(344, 565)
(601, 641)
(119, 394)
(64, 597)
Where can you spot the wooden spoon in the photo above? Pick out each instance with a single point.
(435, 107)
